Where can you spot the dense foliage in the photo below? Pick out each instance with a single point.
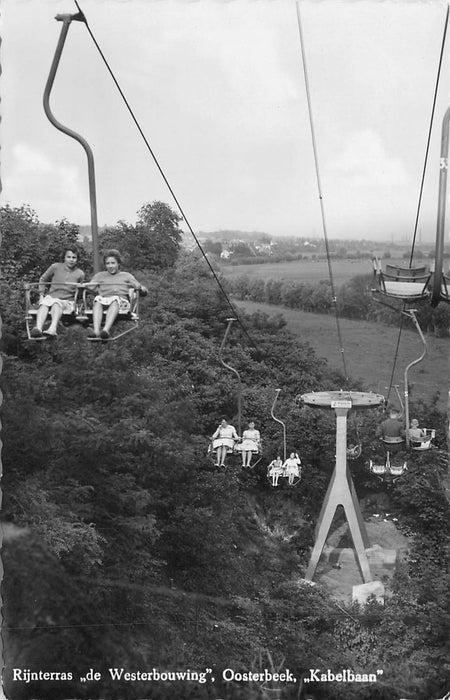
(126, 548)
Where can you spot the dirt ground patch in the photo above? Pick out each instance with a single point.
(338, 570)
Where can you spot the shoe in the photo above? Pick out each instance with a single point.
(50, 333)
(36, 333)
(92, 335)
(104, 335)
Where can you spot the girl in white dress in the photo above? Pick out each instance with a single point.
(275, 470)
(223, 441)
(251, 444)
(292, 467)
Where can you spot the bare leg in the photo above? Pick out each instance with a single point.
(111, 315)
(222, 453)
(41, 316)
(97, 315)
(56, 313)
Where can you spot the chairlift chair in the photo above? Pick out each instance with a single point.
(32, 306)
(131, 317)
(378, 469)
(354, 451)
(398, 470)
(410, 284)
(212, 447)
(256, 456)
(387, 469)
(424, 443)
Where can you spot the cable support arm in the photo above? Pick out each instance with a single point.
(66, 20)
(277, 393)
(232, 369)
(412, 314)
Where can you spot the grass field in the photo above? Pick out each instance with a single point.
(301, 270)
(369, 351)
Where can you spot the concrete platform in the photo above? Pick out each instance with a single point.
(338, 570)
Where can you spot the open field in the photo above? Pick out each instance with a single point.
(302, 270)
(369, 350)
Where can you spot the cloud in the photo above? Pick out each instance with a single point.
(364, 161)
(57, 187)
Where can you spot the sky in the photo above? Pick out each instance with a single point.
(218, 89)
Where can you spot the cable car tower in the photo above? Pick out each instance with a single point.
(341, 490)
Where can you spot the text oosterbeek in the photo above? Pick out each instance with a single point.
(263, 676)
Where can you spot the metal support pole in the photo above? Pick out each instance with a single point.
(412, 314)
(230, 321)
(278, 391)
(439, 253)
(341, 492)
(66, 20)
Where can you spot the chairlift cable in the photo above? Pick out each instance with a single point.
(319, 187)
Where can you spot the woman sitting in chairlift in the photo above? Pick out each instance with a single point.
(223, 441)
(64, 277)
(251, 444)
(114, 286)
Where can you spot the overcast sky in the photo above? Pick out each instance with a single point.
(218, 88)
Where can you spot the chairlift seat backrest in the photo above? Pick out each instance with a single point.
(398, 470)
(408, 283)
(393, 440)
(406, 273)
(378, 469)
(423, 443)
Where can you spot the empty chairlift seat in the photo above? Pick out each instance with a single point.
(407, 283)
(379, 469)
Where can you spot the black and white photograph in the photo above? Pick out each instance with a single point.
(225, 366)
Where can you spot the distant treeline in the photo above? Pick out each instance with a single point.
(354, 300)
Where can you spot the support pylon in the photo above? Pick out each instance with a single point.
(341, 490)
